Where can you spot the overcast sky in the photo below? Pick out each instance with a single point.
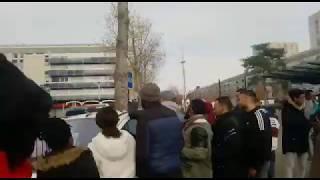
(214, 36)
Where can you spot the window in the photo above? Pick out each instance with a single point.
(59, 79)
(15, 55)
(21, 55)
(55, 79)
(14, 61)
(21, 60)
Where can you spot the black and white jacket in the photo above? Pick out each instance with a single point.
(258, 137)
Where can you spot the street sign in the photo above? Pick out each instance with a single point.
(130, 80)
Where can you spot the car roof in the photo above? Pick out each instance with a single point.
(123, 118)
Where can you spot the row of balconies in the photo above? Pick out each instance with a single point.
(82, 94)
(75, 73)
(80, 85)
(90, 60)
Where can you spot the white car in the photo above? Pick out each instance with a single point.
(84, 128)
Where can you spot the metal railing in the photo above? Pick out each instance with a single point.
(90, 60)
(80, 85)
(66, 73)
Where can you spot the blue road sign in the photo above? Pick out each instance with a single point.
(130, 80)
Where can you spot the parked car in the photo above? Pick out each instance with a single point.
(84, 128)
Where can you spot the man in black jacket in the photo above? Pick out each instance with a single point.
(228, 142)
(257, 135)
(295, 136)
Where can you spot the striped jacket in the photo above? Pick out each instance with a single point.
(257, 137)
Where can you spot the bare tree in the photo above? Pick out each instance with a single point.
(145, 53)
(121, 71)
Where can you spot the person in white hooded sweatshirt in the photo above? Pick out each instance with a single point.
(113, 149)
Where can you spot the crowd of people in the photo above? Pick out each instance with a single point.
(205, 141)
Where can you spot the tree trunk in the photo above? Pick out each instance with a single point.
(121, 71)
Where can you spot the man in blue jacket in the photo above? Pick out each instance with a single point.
(159, 139)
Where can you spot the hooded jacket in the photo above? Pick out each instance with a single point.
(115, 157)
(72, 163)
(295, 129)
(197, 150)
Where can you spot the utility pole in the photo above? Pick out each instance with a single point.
(121, 71)
(184, 82)
(219, 85)
(245, 77)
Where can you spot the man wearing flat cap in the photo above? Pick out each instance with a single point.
(159, 136)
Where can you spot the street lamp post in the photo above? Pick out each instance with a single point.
(184, 83)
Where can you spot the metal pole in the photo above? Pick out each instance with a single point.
(245, 78)
(184, 83)
(219, 83)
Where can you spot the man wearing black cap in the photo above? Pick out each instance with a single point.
(257, 134)
(159, 139)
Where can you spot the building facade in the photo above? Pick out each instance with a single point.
(68, 72)
(229, 86)
(290, 48)
(314, 30)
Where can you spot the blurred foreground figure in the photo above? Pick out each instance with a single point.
(23, 107)
(314, 170)
(64, 160)
(159, 137)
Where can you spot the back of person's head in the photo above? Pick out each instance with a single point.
(150, 95)
(226, 102)
(23, 106)
(57, 134)
(251, 94)
(107, 119)
(198, 106)
(295, 93)
(240, 90)
(308, 94)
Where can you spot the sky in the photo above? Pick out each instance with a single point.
(212, 37)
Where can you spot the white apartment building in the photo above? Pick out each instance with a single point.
(68, 72)
(314, 30)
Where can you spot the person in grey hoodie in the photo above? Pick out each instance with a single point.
(113, 149)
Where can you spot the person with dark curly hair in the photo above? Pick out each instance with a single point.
(64, 159)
